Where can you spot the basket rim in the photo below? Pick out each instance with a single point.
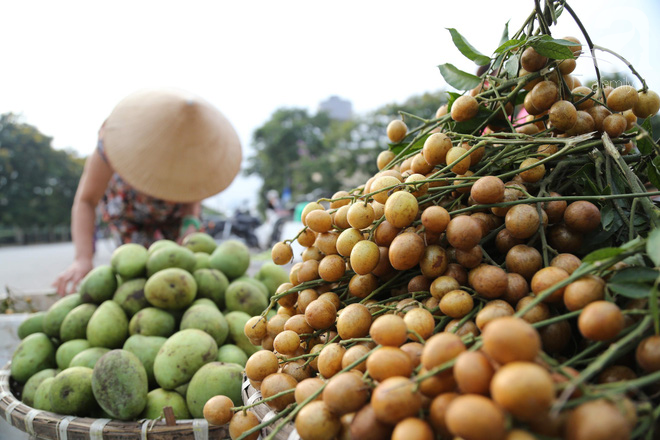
(49, 425)
(263, 412)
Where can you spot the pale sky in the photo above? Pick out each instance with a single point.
(67, 63)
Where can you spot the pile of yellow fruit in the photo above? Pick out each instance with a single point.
(496, 279)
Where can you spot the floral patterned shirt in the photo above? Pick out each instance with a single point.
(135, 217)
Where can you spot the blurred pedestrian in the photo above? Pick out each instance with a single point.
(159, 154)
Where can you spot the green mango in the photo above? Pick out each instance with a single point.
(30, 388)
(203, 302)
(230, 353)
(212, 284)
(159, 398)
(182, 389)
(71, 392)
(199, 242)
(75, 323)
(88, 358)
(182, 355)
(129, 261)
(98, 285)
(152, 322)
(145, 348)
(272, 276)
(32, 324)
(208, 319)
(171, 256)
(68, 350)
(215, 378)
(236, 321)
(42, 395)
(256, 283)
(34, 353)
(245, 297)
(120, 384)
(202, 261)
(130, 296)
(108, 326)
(232, 258)
(159, 244)
(172, 289)
(57, 312)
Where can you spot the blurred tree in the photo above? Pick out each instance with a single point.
(314, 156)
(37, 182)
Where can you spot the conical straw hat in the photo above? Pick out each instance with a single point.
(171, 144)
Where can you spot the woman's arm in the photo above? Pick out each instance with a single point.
(191, 219)
(92, 186)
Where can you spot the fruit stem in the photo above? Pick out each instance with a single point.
(610, 180)
(268, 422)
(524, 25)
(614, 351)
(382, 287)
(627, 63)
(541, 19)
(410, 115)
(267, 399)
(599, 198)
(556, 319)
(645, 134)
(628, 384)
(297, 407)
(633, 181)
(589, 43)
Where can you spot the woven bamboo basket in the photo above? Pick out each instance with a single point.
(50, 426)
(264, 413)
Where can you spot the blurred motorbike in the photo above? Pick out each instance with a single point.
(241, 225)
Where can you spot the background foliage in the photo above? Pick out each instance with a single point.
(314, 156)
(37, 182)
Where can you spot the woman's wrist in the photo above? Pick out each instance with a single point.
(190, 220)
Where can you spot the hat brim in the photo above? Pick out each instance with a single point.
(172, 145)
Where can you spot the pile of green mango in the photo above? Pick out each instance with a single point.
(158, 326)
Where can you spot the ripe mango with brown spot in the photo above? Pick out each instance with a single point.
(171, 289)
(185, 352)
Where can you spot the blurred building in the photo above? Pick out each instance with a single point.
(337, 108)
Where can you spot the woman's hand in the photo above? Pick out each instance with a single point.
(68, 280)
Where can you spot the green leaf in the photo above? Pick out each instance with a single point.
(510, 45)
(653, 171)
(557, 40)
(635, 275)
(584, 178)
(653, 308)
(645, 145)
(467, 49)
(520, 97)
(467, 127)
(555, 49)
(511, 66)
(505, 34)
(607, 217)
(634, 282)
(417, 145)
(653, 246)
(457, 78)
(602, 254)
(453, 96)
(631, 290)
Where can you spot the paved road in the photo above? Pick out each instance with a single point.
(33, 268)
